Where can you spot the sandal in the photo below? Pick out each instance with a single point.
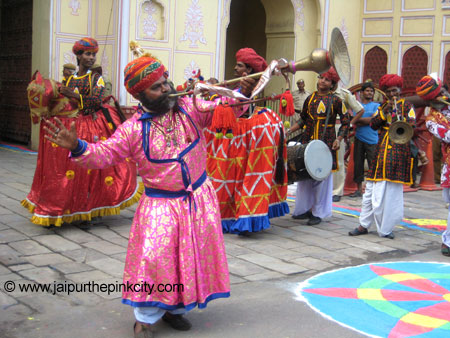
(445, 250)
(146, 331)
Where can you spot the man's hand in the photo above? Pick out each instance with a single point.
(66, 91)
(247, 85)
(336, 144)
(61, 135)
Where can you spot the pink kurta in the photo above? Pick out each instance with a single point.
(172, 240)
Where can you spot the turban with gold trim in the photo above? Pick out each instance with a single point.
(142, 72)
(252, 59)
(390, 80)
(428, 88)
(331, 74)
(85, 45)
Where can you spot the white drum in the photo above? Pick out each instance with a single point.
(309, 161)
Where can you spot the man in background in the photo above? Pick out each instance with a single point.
(68, 69)
(366, 138)
(300, 96)
(96, 68)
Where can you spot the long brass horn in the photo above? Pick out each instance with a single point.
(319, 61)
(400, 132)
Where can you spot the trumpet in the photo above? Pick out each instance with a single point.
(319, 61)
(400, 131)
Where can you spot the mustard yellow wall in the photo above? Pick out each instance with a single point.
(399, 25)
(191, 34)
(344, 14)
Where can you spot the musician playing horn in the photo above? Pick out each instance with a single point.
(247, 167)
(382, 202)
(176, 235)
(438, 124)
(313, 198)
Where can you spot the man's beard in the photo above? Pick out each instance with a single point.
(161, 105)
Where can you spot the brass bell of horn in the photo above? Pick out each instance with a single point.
(320, 59)
(400, 132)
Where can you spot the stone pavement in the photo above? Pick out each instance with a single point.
(285, 254)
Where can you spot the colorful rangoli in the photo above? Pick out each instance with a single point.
(399, 299)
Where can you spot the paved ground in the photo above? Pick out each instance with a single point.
(265, 269)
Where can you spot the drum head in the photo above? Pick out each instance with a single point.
(318, 160)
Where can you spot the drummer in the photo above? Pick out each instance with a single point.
(313, 198)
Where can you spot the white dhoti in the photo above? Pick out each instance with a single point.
(446, 233)
(382, 203)
(315, 196)
(339, 175)
(151, 314)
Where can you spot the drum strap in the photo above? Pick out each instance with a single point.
(326, 121)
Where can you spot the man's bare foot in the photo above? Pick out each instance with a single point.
(142, 330)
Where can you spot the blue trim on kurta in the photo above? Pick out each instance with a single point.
(178, 306)
(146, 119)
(278, 210)
(160, 193)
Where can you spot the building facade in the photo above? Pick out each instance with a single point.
(408, 37)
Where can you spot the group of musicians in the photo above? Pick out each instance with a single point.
(390, 162)
(176, 233)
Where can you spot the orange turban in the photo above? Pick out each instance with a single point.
(391, 80)
(252, 59)
(142, 72)
(428, 88)
(332, 75)
(85, 45)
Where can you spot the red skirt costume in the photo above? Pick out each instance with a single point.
(243, 172)
(63, 192)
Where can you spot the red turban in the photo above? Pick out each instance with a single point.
(428, 88)
(391, 80)
(141, 73)
(332, 75)
(85, 45)
(251, 59)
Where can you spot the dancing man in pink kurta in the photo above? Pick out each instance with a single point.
(176, 237)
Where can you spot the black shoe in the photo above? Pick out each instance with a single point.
(445, 250)
(336, 198)
(306, 215)
(357, 193)
(390, 236)
(244, 233)
(177, 322)
(357, 232)
(314, 220)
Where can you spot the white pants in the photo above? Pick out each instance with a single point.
(446, 233)
(382, 203)
(151, 314)
(339, 176)
(315, 196)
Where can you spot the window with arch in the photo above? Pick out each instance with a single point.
(414, 67)
(375, 64)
